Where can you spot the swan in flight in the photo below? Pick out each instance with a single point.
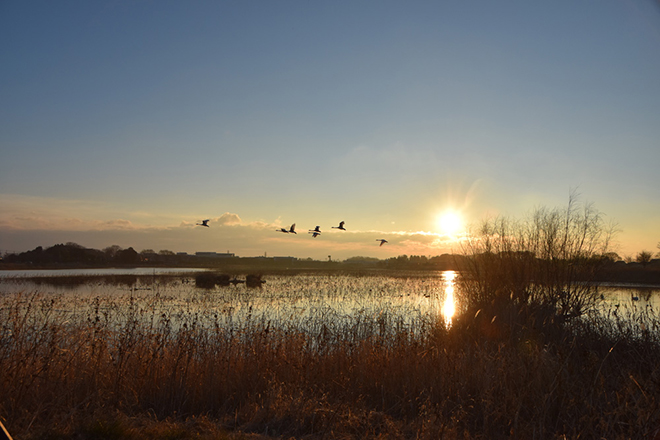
(382, 241)
(291, 230)
(315, 234)
(316, 229)
(204, 223)
(341, 226)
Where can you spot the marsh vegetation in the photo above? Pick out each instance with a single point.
(314, 356)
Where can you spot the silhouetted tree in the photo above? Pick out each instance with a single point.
(35, 256)
(546, 259)
(127, 256)
(644, 258)
(111, 251)
(70, 253)
(611, 257)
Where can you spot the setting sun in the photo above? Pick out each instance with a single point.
(450, 223)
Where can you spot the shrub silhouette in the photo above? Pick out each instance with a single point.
(535, 271)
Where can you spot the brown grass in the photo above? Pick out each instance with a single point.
(126, 369)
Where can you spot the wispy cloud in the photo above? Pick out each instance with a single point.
(226, 219)
(46, 221)
(22, 212)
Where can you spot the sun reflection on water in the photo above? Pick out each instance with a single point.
(449, 305)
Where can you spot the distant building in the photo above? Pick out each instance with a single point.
(290, 259)
(214, 255)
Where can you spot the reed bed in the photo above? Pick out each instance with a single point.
(322, 362)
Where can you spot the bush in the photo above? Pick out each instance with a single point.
(208, 280)
(547, 260)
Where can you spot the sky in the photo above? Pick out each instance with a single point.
(128, 122)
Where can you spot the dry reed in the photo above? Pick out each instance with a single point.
(130, 367)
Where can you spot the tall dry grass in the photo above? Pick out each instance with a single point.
(128, 368)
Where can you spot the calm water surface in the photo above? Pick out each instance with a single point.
(335, 299)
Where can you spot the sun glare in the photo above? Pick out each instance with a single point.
(450, 223)
(449, 305)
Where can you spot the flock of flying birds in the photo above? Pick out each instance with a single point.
(292, 230)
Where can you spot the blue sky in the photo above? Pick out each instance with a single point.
(128, 122)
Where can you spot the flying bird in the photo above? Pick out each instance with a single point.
(382, 241)
(291, 230)
(315, 234)
(341, 226)
(204, 223)
(316, 229)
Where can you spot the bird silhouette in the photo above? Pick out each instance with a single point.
(315, 234)
(341, 226)
(316, 229)
(382, 241)
(204, 223)
(291, 230)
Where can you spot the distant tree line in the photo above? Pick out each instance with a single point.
(610, 266)
(422, 262)
(75, 254)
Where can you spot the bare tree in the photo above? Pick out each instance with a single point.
(644, 258)
(547, 258)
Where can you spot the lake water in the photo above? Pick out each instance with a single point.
(282, 299)
(301, 300)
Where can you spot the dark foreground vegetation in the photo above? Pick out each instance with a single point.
(123, 372)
